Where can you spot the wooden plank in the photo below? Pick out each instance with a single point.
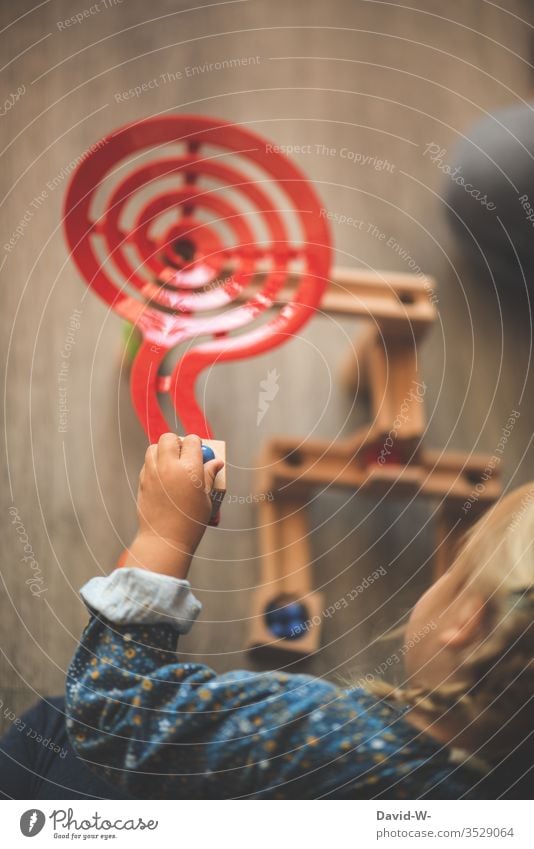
(285, 575)
(431, 474)
(395, 388)
(400, 303)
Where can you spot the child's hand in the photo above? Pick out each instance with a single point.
(173, 505)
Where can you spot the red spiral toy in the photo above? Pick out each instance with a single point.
(189, 227)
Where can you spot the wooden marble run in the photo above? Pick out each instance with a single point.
(194, 230)
(386, 458)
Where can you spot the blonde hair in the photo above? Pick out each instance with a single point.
(494, 682)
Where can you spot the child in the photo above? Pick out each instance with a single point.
(159, 728)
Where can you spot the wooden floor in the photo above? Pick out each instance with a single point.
(379, 79)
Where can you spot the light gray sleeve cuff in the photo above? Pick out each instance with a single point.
(130, 596)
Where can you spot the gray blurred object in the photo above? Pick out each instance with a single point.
(492, 211)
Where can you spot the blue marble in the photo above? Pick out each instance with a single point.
(287, 621)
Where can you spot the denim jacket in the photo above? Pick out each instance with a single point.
(160, 728)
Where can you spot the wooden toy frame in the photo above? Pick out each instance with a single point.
(400, 309)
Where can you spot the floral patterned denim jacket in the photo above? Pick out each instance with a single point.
(160, 728)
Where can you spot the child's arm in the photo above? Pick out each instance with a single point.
(160, 728)
(173, 505)
(164, 729)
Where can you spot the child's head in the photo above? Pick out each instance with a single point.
(474, 667)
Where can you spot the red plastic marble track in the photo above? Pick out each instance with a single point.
(170, 220)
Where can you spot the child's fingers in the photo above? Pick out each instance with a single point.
(169, 445)
(192, 452)
(211, 470)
